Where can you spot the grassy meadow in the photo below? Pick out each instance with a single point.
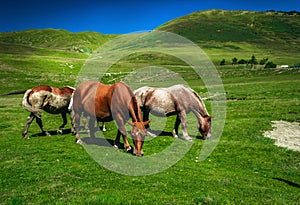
(244, 168)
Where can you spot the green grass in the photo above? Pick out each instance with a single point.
(244, 168)
(241, 34)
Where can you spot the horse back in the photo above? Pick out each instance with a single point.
(52, 100)
(159, 101)
(118, 101)
(188, 98)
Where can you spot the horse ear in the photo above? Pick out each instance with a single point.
(209, 117)
(147, 122)
(131, 123)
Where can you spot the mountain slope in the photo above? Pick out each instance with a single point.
(237, 26)
(242, 33)
(56, 39)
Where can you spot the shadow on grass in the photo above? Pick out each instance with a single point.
(104, 143)
(52, 133)
(164, 133)
(287, 182)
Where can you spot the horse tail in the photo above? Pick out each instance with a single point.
(18, 92)
(71, 87)
(27, 106)
(70, 107)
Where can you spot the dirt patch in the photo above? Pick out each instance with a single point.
(285, 134)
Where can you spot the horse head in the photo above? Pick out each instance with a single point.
(205, 127)
(138, 133)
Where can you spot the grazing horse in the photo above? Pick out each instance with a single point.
(106, 103)
(175, 100)
(50, 99)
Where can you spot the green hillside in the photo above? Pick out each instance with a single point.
(221, 34)
(84, 42)
(242, 33)
(244, 168)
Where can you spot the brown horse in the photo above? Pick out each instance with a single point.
(175, 100)
(50, 99)
(106, 103)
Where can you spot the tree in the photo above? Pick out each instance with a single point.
(263, 61)
(253, 61)
(234, 61)
(222, 62)
(242, 61)
(270, 65)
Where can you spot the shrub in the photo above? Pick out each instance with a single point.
(242, 61)
(270, 65)
(222, 62)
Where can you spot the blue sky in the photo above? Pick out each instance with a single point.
(117, 16)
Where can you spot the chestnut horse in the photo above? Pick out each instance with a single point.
(106, 103)
(43, 97)
(175, 100)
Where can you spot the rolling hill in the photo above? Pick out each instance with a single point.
(221, 34)
(275, 34)
(84, 42)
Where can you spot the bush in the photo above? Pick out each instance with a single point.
(222, 62)
(270, 65)
(242, 61)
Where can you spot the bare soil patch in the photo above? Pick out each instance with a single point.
(285, 134)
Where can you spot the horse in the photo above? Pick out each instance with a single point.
(106, 103)
(44, 97)
(176, 100)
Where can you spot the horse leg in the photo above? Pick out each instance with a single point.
(72, 119)
(103, 127)
(30, 118)
(182, 117)
(40, 123)
(175, 130)
(122, 131)
(92, 127)
(117, 140)
(85, 124)
(145, 119)
(64, 117)
(76, 124)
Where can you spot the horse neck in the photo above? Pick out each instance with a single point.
(200, 111)
(134, 111)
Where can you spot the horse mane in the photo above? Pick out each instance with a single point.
(201, 103)
(136, 108)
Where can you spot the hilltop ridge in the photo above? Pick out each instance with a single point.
(84, 42)
(222, 34)
(238, 26)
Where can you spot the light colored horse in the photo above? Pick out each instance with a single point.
(43, 97)
(106, 103)
(175, 100)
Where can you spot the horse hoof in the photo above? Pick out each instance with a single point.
(128, 149)
(103, 129)
(151, 134)
(174, 134)
(115, 147)
(59, 132)
(188, 139)
(47, 134)
(79, 141)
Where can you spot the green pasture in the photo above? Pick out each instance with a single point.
(244, 168)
